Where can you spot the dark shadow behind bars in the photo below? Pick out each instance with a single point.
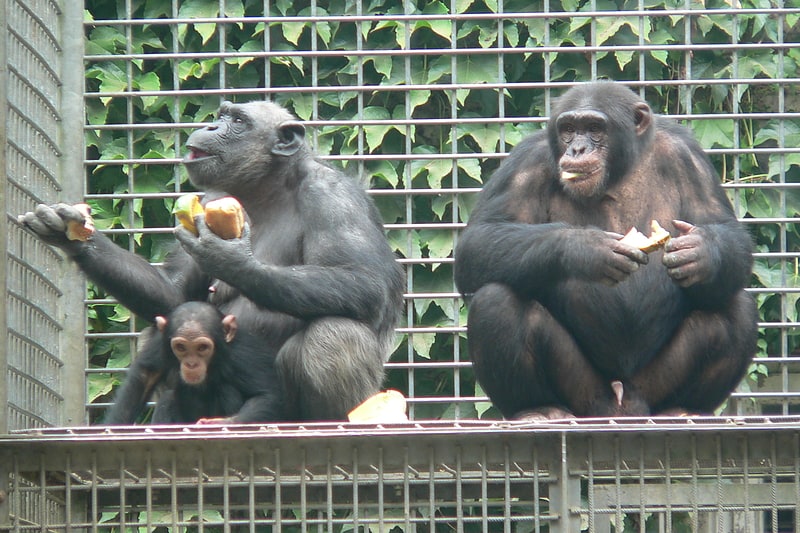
(421, 104)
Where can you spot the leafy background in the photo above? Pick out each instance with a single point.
(421, 100)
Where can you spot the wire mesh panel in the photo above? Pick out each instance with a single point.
(421, 102)
(34, 162)
(714, 475)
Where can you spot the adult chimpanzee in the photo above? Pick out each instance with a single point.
(566, 320)
(312, 276)
(207, 369)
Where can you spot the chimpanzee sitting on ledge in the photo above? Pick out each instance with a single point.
(567, 320)
(313, 276)
(206, 370)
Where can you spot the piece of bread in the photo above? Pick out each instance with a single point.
(657, 239)
(382, 408)
(186, 208)
(80, 230)
(225, 217)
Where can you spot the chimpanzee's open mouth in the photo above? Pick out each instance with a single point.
(196, 154)
(576, 175)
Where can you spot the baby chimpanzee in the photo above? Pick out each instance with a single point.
(206, 371)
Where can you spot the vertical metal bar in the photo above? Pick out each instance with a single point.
(200, 494)
(381, 501)
(303, 489)
(454, 196)
(360, 94)
(94, 509)
(432, 487)
(406, 491)
(222, 36)
(546, 59)
(329, 489)
(619, 526)
(687, 67)
(251, 490)
(668, 481)
(67, 493)
(507, 522)
(590, 488)
(408, 8)
(566, 493)
(278, 490)
(267, 48)
(173, 485)
(4, 241)
(355, 489)
(459, 489)
(796, 448)
(73, 287)
(148, 489)
(773, 482)
(719, 479)
(122, 503)
(485, 493)
(43, 512)
(537, 511)
(15, 495)
(746, 480)
(642, 487)
(787, 307)
(314, 63)
(226, 492)
(176, 102)
(593, 54)
(695, 515)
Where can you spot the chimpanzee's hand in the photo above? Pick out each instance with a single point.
(219, 258)
(599, 256)
(689, 257)
(49, 223)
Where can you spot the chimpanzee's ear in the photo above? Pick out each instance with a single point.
(229, 326)
(291, 136)
(161, 323)
(642, 117)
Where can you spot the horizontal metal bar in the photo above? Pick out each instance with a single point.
(433, 87)
(455, 121)
(457, 17)
(436, 52)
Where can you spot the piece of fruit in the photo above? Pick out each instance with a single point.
(81, 229)
(225, 217)
(658, 238)
(185, 209)
(381, 408)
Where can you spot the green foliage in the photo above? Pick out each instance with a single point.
(361, 103)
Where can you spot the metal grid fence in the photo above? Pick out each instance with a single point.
(426, 120)
(42, 346)
(726, 474)
(719, 475)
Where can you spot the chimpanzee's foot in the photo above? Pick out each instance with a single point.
(542, 414)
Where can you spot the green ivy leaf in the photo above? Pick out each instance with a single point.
(422, 343)
(712, 132)
(292, 31)
(374, 134)
(487, 135)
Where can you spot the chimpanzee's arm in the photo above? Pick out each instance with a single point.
(529, 257)
(146, 290)
(348, 269)
(710, 254)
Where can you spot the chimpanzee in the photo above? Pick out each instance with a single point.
(312, 276)
(207, 369)
(566, 320)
